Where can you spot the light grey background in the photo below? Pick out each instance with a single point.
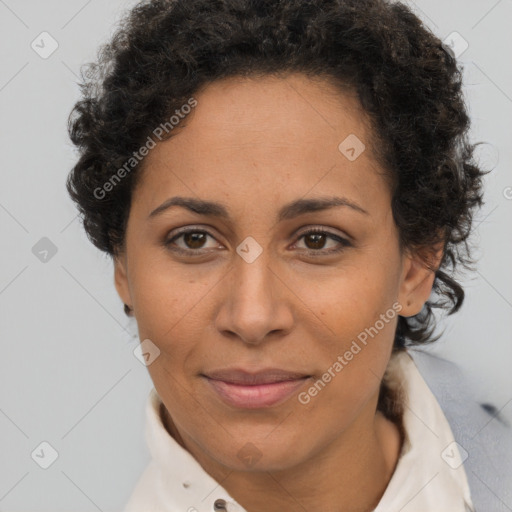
(68, 373)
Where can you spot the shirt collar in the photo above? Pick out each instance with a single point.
(428, 476)
(182, 483)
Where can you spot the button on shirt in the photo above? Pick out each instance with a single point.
(429, 475)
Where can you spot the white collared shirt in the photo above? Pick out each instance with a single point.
(429, 475)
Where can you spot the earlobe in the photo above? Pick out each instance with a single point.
(417, 280)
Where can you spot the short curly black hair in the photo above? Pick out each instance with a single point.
(408, 83)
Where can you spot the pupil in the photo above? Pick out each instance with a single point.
(318, 239)
(191, 239)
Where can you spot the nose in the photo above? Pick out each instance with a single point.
(256, 301)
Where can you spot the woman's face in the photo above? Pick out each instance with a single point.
(246, 290)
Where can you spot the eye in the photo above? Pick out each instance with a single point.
(315, 240)
(193, 240)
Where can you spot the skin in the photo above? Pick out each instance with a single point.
(255, 145)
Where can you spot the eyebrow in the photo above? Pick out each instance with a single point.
(287, 212)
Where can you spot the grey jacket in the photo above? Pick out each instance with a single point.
(478, 428)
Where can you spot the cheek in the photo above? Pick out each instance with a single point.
(359, 323)
(171, 312)
(351, 367)
(339, 402)
(354, 298)
(166, 297)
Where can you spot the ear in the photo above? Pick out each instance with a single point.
(121, 279)
(418, 274)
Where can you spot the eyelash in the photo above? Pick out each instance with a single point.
(319, 252)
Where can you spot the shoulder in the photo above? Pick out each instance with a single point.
(483, 435)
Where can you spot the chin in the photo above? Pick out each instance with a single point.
(259, 453)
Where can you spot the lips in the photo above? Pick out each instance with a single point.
(246, 378)
(254, 390)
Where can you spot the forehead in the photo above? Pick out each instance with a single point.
(262, 108)
(251, 134)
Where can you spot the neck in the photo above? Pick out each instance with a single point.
(348, 475)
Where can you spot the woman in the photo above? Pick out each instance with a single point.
(282, 186)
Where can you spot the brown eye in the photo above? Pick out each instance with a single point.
(193, 241)
(316, 239)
